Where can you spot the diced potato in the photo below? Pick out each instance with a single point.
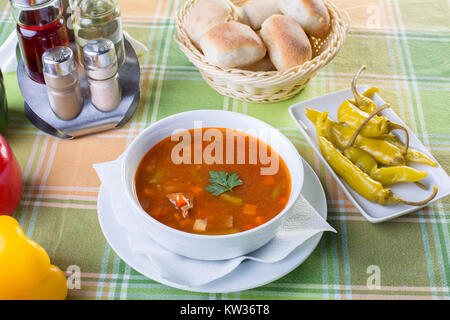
(228, 223)
(231, 199)
(250, 209)
(200, 225)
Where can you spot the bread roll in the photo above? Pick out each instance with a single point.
(265, 64)
(204, 15)
(257, 11)
(286, 41)
(312, 15)
(232, 45)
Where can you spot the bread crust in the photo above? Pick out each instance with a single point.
(287, 43)
(257, 11)
(265, 64)
(312, 15)
(232, 45)
(204, 15)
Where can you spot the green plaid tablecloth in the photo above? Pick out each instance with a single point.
(406, 47)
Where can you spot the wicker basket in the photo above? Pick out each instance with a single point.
(265, 87)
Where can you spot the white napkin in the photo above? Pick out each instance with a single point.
(302, 223)
(138, 47)
(8, 60)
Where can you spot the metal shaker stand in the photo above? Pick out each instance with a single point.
(90, 120)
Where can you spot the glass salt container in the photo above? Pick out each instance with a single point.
(101, 66)
(63, 84)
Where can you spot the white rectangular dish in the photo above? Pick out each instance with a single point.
(373, 212)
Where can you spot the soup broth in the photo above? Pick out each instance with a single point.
(186, 196)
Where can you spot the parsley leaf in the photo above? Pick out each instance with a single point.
(222, 182)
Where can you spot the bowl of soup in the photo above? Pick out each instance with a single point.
(211, 184)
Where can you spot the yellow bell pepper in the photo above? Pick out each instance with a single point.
(25, 269)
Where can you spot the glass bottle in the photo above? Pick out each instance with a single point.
(93, 19)
(67, 14)
(40, 26)
(3, 106)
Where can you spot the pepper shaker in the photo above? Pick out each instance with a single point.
(100, 61)
(62, 81)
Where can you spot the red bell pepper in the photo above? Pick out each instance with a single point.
(10, 179)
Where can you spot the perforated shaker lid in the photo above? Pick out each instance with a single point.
(99, 53)
(58, 61)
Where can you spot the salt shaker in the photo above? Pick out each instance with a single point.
(62, 81)
(101, 65)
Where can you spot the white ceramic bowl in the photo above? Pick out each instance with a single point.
(209, 247)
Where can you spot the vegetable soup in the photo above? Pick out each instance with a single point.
(211, 197)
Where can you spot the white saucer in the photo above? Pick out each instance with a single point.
(247, 275)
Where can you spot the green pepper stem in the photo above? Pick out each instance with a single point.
(358, 131)
(421, 185)
(355, 78)
(394, 126)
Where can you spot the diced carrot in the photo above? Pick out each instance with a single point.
(181, 201)
(281, 200)
(250, 209)
(260, 220)
(268, 180)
